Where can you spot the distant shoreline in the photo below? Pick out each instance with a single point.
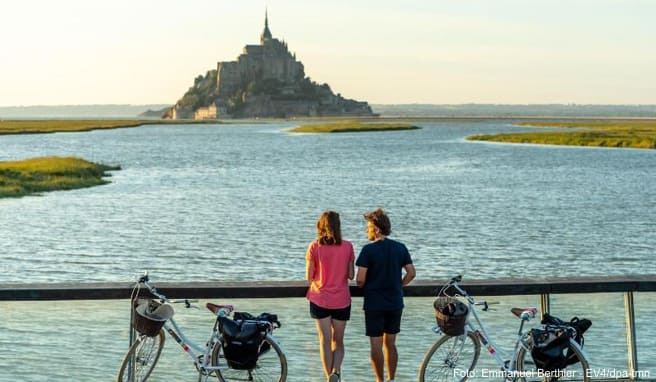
(409, 110)
(48, 126)
(603, 132)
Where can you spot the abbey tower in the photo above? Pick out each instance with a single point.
(271, 60)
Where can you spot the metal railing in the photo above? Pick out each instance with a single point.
(543, 287)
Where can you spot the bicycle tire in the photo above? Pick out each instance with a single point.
(443, 364)
(271, 365)
(527, 372)
(146, 351)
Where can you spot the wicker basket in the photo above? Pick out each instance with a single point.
(451, 315)
(150, 316)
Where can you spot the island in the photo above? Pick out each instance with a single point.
(265, 81)
(637, 134)
(351, 126)
(36, 175)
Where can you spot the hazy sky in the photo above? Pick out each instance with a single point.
(410, 51)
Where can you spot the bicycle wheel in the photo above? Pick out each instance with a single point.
(146, 351)
(271, 364)
(528, 372)
(450, 359)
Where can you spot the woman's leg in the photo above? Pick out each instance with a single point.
(337, 347)
(324, 331)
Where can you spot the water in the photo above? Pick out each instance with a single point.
(239, 202)
(86, 340)
(193, 201)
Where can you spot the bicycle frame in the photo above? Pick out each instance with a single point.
(199, 355)
(194, 351)
(506, 360)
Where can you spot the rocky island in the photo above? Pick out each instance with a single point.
(266, 81)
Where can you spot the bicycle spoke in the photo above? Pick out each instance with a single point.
(573, 373)
(450, 359)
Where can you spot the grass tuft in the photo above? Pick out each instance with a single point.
(33, 176)
(622, 134)
(351, 126)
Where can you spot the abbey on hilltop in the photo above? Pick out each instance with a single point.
(266, 80)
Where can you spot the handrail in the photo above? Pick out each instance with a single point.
(283, 289)
(419, 288)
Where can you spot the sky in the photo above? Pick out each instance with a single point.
(413, 51)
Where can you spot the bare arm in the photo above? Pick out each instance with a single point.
(410, 274)
(309, 270)
(361, 277)
(351, 270)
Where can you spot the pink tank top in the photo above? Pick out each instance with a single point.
(330, 287)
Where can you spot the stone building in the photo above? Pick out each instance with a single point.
(271, 60)
(265, 80)
(216, 109)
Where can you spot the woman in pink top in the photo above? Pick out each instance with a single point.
(329, 267)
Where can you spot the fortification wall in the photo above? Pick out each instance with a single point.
(228, 78)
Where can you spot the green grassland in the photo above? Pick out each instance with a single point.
(638, 134)
(53, 126)
(31, 176)
(58, 126)
(351, 126)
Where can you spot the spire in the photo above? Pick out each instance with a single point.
(266, 34)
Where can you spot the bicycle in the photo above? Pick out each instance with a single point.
(454, 357)
(151, 320)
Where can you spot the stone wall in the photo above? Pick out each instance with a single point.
(228, 78)
(206, 112)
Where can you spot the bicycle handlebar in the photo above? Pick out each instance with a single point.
(153, 290)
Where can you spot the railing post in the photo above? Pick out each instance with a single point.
(629, 315)
(132, 338)
(545, 304)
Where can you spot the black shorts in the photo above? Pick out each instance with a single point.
(342, 314)
(377, 322)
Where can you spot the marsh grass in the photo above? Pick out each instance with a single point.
(351, 126)
(58, 126)
(626, 134)
(32, 176)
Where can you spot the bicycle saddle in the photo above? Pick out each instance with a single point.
(524, 313)
(244, 329)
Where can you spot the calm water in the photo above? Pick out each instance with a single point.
(193, 201)
(199, 203)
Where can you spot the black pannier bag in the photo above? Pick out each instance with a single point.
(548, 347)
(550, 342)
(579, 325)
(241, 343)
(244, 338)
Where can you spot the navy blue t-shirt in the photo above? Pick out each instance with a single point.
(384, 260)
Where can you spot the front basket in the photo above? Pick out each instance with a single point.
(451, 315)
(149, 317)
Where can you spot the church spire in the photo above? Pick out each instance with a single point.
(266, 35)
